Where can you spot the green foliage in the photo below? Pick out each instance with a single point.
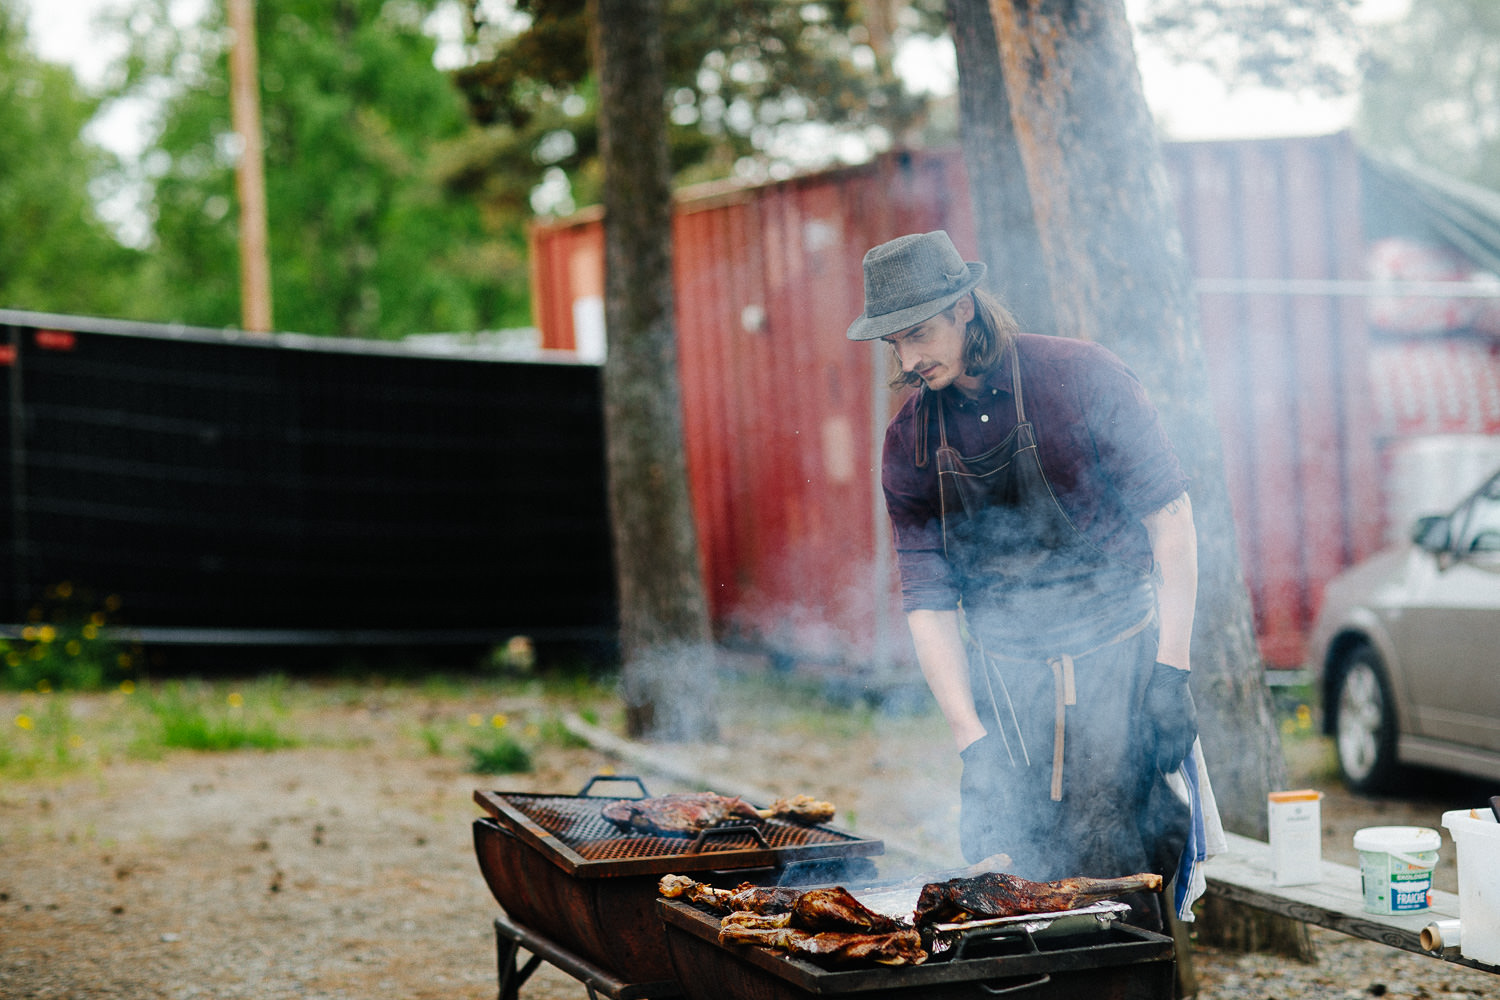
(499, 754)
(57, 255)
(365, 239)
(1432, 89)
(66, 644)
(747, 84)
(1287, 44)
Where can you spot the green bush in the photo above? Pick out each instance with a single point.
(65, 645)
(501, 755)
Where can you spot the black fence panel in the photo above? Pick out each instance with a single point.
(228, 486)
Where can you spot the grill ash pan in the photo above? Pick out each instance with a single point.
(558, 867)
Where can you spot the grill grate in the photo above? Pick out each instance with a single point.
(571, 829)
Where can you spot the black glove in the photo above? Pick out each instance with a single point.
(1172, 715)
(981, 791)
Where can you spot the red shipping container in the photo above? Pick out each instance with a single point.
(784, 418)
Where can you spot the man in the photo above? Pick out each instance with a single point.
(1049, 572)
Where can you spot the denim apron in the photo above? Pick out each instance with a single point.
(1062, 638)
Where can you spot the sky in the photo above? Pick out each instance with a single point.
(1188, 102)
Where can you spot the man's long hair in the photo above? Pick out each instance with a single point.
(986, 338)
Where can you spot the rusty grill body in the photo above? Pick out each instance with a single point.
(1114, 962)
(558, 867)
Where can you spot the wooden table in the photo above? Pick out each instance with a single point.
(1336, 901)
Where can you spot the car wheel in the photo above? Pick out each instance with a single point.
(1364, 722)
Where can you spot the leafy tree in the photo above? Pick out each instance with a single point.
(1432, 88)
(1092, 199)
(667, 672)
(747, 83)
(366, 239)
(57, 255)
(1288, 44)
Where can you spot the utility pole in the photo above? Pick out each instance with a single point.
(250, 177)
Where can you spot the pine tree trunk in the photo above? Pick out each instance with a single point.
(1075, 120)
(668, 670)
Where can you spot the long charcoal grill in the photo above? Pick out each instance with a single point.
(575, 880)
(1107, 961)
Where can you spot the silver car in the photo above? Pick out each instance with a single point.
(1406, 650)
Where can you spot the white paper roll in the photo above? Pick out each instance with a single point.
(1440, 936)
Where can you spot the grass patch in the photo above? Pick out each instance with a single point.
(500, 754)
(43, 740)
(195, 720)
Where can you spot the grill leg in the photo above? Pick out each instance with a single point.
(507, 949)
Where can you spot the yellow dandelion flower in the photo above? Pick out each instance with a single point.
(75, 741)
(1304, 716)
(96, 619)
(236, 700)
(127, 687)
(24, 721)
(73, 647)
(29, 633)
(44, 686)
(90, 631)
(47, 633)
(474, 719)
(498, 720)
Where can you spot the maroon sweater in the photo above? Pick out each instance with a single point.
(1101, 445)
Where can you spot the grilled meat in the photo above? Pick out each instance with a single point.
(903, 947)
(995, 894)
(831, 908)
(682, 887)
(747, 898)
(687, 813)
(691, 813)
(835, 909)
(801, 809)
(744, 898)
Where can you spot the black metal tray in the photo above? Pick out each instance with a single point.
(1119, 960)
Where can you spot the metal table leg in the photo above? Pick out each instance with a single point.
(507, 950)
(511, 937)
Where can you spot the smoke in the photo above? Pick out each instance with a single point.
(670, 692)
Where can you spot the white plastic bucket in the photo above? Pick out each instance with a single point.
(1477, 837)
(1395, 867)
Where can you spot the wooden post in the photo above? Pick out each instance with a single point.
(250, 179)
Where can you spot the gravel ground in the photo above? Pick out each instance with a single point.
(349, 872)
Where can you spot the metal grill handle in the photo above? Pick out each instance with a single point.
(616, 777)
(727, 830)
(1041, 980)
(973, 937)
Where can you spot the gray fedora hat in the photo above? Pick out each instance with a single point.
(911, 279)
